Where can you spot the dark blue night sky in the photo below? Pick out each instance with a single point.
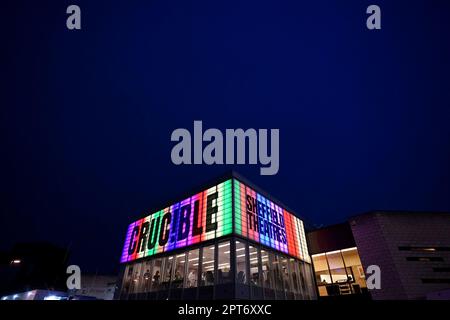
(86, 116)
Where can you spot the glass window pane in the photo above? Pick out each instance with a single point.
(285, 273)
(255, 277)
(193, 260)
(223, 265)
(267, 270)
(126, 286)
(156, 278)
(180, 264)
(320, 262)
(323, 276)
(337, 270)
(208, 266)
(276, 271)
(311, 292)
(335, 260)
(146, 276)
(354, 267)
(168, 268)
(241, 265)
(302, 267)
(351, 257)
(136, 277)
(294, 275)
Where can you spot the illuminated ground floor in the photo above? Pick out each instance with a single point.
(227, 268)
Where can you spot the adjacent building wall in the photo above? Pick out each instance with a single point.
(410, 249)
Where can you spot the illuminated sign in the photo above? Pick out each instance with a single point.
(203, 216)
(208, 215)
(259, 219)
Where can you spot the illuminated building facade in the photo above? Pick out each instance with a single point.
(228, 241)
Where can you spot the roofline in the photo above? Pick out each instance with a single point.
(265, 194)
(394, 212)
(211, 183)
(374, 212)
(198, 188)
(327, 227)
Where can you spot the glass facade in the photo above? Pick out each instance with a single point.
(339, 272)
(206, 272)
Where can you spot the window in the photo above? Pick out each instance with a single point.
(321, 267)
(285, 273)
(156, 277)
(208, 266)
(193, 260)
(178, 277)
(168, 268)
(337, 269)
(342, 267)
(293, 267)
(303, 276)
(278, 280)
(354, 268)
(135, 283)
(128, 279)
(255, 277)
(147, 276)
(267, 270)
(223, 264)
(310, 293)
(241, 265)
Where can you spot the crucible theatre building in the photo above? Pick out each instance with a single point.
(227, 241)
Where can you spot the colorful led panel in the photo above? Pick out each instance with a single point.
(203, 216)
(259, 219)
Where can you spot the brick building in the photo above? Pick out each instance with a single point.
(412, 250)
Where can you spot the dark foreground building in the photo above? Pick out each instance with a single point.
(412, 250)
(229, 240)
(35, 265)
